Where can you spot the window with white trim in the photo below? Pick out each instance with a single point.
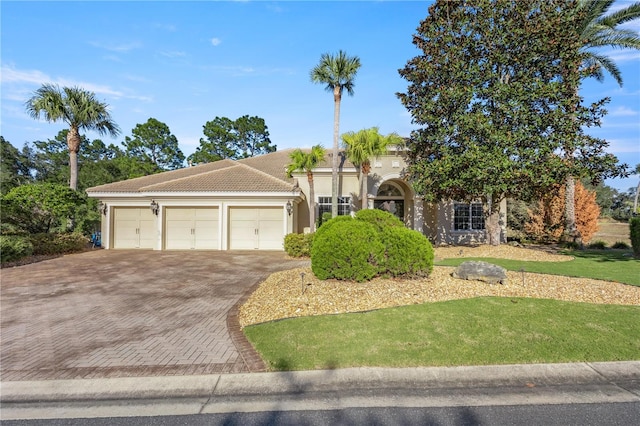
(468, 217)
(344, 205)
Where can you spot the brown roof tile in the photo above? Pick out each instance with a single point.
(264, 173)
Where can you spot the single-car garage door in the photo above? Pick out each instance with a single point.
(256, 228)
(133, 228)
(191, 228)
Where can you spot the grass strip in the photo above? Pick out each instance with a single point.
(616, 266)
(479, 331)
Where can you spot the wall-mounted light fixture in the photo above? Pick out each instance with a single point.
(154, 207)
(289, 207)
(102, 208)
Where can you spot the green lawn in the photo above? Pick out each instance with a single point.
(463, 332)
(610, 265)
(477, 331)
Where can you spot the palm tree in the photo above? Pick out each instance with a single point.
(78, 108)
(338, 73)
(635, 199)
(600, 29)
(361, 146)
(302, 161)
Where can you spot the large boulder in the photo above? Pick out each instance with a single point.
(481, 271)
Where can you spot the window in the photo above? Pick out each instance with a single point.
(344, 205)
(468, 216)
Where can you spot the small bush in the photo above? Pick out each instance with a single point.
(407, 252)
(572, 245)
(47, 244)
(298, 245)
(379, 218)
(634, 233)
(13, 247)
(597, 245)
(620, 245)
(346, 249)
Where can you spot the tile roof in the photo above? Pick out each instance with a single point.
(264, 173)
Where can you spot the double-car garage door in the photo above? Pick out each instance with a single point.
(198, 228)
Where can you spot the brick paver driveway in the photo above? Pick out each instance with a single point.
(109, 313)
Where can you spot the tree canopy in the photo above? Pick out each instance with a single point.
(495, 95)
(234, 139)
(154, 144)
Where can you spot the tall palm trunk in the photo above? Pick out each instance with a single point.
(635, 199)
(312, 204)
(334, 161)
(73, 144)
(366, 168)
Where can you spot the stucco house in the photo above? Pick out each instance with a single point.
(251, 204)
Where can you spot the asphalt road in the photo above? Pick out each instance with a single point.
(548, 415)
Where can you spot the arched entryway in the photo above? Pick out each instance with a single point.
(391, 198)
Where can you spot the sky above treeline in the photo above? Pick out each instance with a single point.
(185, 63)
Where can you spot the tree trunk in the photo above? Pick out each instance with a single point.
(312, 204)
(73, 144)
(334, 162)
(493, 230)
(635, 199)
(364, 186)
(571, 233)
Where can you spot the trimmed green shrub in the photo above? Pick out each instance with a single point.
(329, 223)
(47, 244)
(298, 245)
(379, 218)
(620, 245)
(634, 233)
(597, 245)
(14, 247)
(407, 252)
(346, 249)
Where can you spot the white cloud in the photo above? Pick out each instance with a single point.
(623, 111)
(125, 47)
(11, 75)
(173, 54)
(216, 41)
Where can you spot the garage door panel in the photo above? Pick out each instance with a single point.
(147, 230)
(206, 236)
(178, 235)
(242, 234)
(256, 228)
(191, 228)
(133, 228)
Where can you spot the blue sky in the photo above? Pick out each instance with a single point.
(184, 63)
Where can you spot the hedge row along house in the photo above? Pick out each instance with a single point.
(251, 204)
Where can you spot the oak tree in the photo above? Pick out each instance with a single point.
(494, 96)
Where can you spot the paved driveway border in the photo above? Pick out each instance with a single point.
(252, 360)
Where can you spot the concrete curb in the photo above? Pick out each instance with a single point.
(307, 382)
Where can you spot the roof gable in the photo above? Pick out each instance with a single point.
(264, 173)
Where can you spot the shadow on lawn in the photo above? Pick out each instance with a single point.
(603, 255)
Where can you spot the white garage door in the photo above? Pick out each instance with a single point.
(133, 228)
(256, 228)
(191, 228)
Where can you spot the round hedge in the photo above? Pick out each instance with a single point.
(346, 249)
(407, 252)
(379, 218)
